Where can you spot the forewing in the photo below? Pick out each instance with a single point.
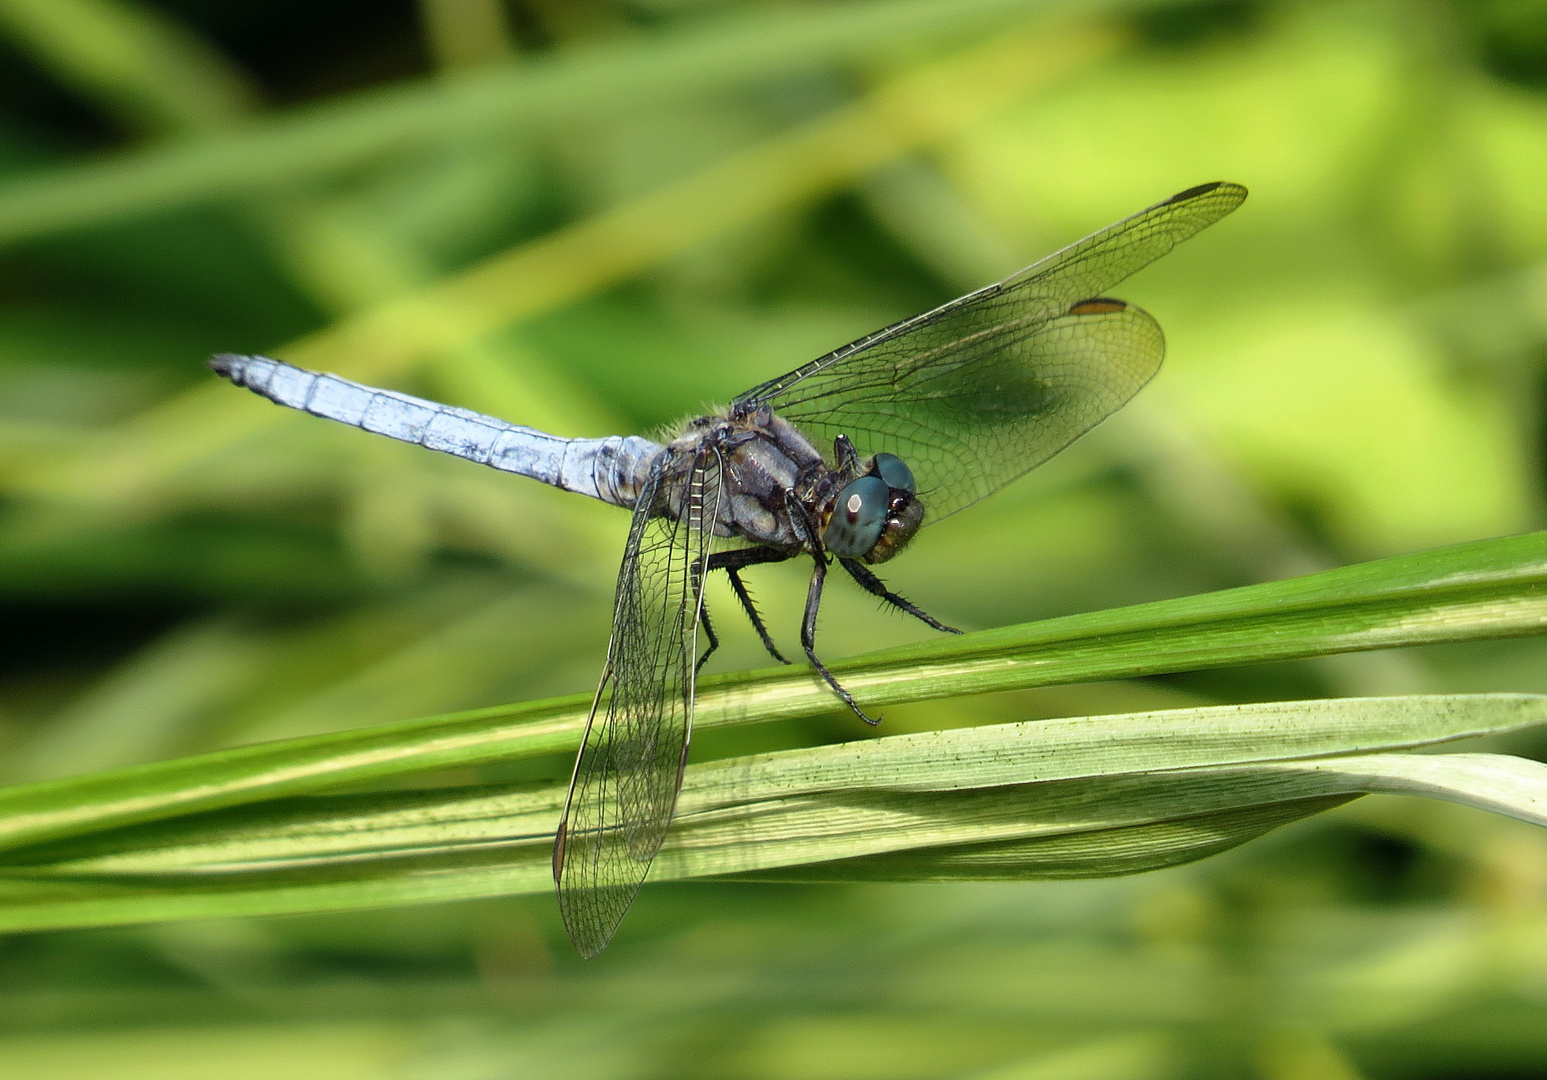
(977, 392)
(629, 769)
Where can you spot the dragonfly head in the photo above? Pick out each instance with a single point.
(876, 515)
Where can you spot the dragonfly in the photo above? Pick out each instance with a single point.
(917, 420)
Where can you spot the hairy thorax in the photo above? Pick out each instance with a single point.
(777, 490)
(765, 463)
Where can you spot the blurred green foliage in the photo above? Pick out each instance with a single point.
(599, 215)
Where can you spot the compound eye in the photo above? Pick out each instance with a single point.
(858, 517)
(896, 473)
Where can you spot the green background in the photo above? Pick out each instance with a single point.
(599, 216)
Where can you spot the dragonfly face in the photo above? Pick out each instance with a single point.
(875, 516)
(950, 405)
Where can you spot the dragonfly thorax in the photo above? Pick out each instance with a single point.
(779, 491)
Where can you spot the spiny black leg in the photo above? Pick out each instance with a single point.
(806, 528)
(732, 562)
(741, 558)
(751, 610)
(808, 639)
(714, 641)
(703, 620)
(874, 585)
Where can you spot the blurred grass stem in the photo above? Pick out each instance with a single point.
(580, 259)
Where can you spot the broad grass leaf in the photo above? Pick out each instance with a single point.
(1084, 797)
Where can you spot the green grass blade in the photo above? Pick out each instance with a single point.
(321, 141)
(1108, 852)
(1515, 787)
(148, 454)
(1512, 786)
(1015, 800)
(1488, 589)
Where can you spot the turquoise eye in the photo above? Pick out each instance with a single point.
(858, 517)
(896, 473)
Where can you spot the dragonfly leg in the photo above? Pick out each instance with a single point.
(751, 609)
(733, 562)
(806, 528)
(714, 640)
(875, 586)
(703, 619)
(808, 640)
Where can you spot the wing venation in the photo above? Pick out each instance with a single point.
(977, 392)
(628, 772)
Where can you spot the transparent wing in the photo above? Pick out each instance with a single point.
(629, 769)
(981, 390)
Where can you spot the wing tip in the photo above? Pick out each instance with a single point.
(589, 942)
(1099, 305)
(590, 929)
(1199, 190)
